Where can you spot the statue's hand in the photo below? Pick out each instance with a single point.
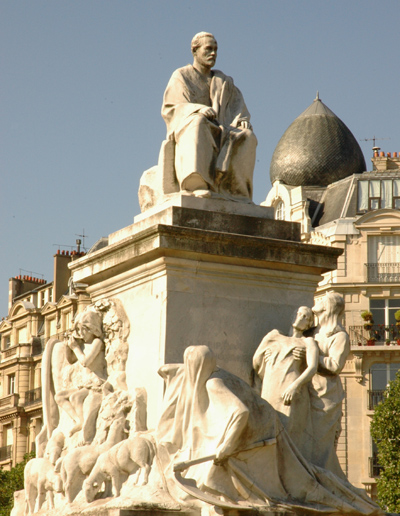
(208, 112)
(287, 396)
(245, 124)
(299, 353)
(73, 343)
(220, 456)
(267, 354)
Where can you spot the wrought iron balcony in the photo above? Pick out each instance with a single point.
(374, 468)
(379, 332)
(375, 397)
(33, 396)
(5, 452)
(383, 272)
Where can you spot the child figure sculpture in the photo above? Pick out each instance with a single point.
(81, 399)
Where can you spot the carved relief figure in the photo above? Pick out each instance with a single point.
(132, 456)
(220, 444)
(284, 377)
(326, 389)
(81, 398)
(40, 480)
(85, 396)
(79, 462)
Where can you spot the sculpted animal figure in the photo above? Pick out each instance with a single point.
(77, 464)
(135, 455)
(54, 447)
(40, 479)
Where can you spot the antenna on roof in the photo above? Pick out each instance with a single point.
(373, 140)
(83, 236)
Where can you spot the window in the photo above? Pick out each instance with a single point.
(382, 374)
(22, 336)
(383, 258)
(6, 341)
(8, 435)
(280, 211)
(374, 194)
(383, 310)
(11, 383)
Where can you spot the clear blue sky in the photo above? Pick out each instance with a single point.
(82, 84)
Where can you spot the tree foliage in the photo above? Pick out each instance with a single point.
(11, 481)
(385, 430)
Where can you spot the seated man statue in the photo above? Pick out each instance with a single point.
(210, 146)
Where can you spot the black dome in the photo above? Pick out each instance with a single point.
(317, 149)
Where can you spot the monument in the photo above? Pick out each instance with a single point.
(151, 403)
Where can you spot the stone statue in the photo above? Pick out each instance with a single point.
(218, 446)
(132, 456)
(326, 391)
(284, 377)
(210, 146)
(81, 399)
(40, 481)
(221, 445)
(85, 396)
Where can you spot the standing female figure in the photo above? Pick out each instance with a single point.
(284, 377)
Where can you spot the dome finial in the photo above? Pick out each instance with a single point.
(317, 97)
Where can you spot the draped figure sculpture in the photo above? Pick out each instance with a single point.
(326, 391)
(220, 444)
(210, 146)
(284, 377)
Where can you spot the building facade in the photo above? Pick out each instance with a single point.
(359, 212)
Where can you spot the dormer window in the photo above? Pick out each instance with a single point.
(280, 211)
(375, 194)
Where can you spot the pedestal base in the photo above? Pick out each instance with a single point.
(187, 276)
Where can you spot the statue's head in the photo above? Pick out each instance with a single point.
(304, 319)
(200, 362)
(329, 310)
(204, 49)
(332, 303)
(92, 322)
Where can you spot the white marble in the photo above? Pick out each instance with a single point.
(210, 145)
(220, 444)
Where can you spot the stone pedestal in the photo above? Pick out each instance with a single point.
(202, 271)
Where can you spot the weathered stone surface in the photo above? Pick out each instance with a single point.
(184, 279)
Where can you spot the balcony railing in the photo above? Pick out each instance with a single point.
(383, 272)
(374, 468)
(33, 396)
(9, 401)
(5, 452)
(375, 397)
(380, 332)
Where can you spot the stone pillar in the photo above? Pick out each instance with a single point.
(204, 272)
(20, 438)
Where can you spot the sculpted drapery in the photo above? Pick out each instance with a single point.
(210, 411)
(277, 374)
(220, 150)
(326, 394)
